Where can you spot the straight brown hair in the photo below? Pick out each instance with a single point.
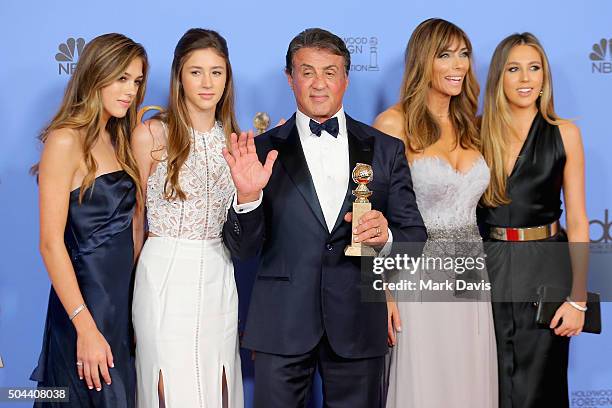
(427, 41)
(177, 117)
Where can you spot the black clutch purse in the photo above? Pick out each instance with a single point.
(549, 300)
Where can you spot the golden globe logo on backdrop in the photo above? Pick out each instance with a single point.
(364, 53)
(68, 55)
(601, 57)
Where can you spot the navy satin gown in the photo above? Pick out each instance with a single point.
(98, 238)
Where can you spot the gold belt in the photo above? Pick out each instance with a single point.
(525, 234)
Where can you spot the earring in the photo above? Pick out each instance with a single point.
(541, 92)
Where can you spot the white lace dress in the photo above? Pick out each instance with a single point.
(185, 307)
(445, 356)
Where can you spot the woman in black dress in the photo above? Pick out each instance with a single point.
(89, 186)
(533, 155)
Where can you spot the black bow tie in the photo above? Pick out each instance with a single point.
(330, 126)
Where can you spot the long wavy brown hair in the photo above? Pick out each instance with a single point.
(427, 41)
(103, 61)
(497, 125)
(177, 117)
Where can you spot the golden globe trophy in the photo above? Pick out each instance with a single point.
(261, 121)
(362, 175)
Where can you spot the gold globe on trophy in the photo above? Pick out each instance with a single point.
(362, 174)
(261, 121)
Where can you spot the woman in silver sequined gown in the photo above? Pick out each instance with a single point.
(445, 354)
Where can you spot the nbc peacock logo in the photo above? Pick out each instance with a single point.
(68, 55)
(602, 51)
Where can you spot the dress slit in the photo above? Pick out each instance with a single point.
(161, 384)
(225, 388)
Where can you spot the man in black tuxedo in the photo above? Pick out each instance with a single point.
(307, 309)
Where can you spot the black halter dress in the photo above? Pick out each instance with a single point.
(532, 360)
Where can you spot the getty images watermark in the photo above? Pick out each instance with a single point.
(430, 273)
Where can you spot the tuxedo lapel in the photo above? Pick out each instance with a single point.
(361, 150)
(291, 155)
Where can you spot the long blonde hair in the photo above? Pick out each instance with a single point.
(496, 124)
(430, 38)
(177, 117)
(103, 61)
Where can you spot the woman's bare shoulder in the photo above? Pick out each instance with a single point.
(150, 133)
(391, 122)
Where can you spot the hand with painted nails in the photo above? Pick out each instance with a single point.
(94, 358)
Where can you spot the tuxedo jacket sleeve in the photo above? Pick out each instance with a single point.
(244, 234)
(402, 213)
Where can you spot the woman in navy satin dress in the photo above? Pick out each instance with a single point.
(88, 191)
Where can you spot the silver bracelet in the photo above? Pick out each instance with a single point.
(576, 305)
(78, 310)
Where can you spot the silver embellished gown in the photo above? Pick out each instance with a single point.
(445, 356)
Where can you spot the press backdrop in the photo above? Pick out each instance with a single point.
(37, 61)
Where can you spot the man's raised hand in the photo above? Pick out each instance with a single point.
(248, 174)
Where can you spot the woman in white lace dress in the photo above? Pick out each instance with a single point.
(185, 307)
(444, 356)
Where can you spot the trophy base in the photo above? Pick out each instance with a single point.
(361, 250)
(357, 248)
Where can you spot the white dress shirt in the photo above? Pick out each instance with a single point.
(328, 162)
(327, 158)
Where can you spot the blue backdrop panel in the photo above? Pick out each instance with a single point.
(258, 34)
